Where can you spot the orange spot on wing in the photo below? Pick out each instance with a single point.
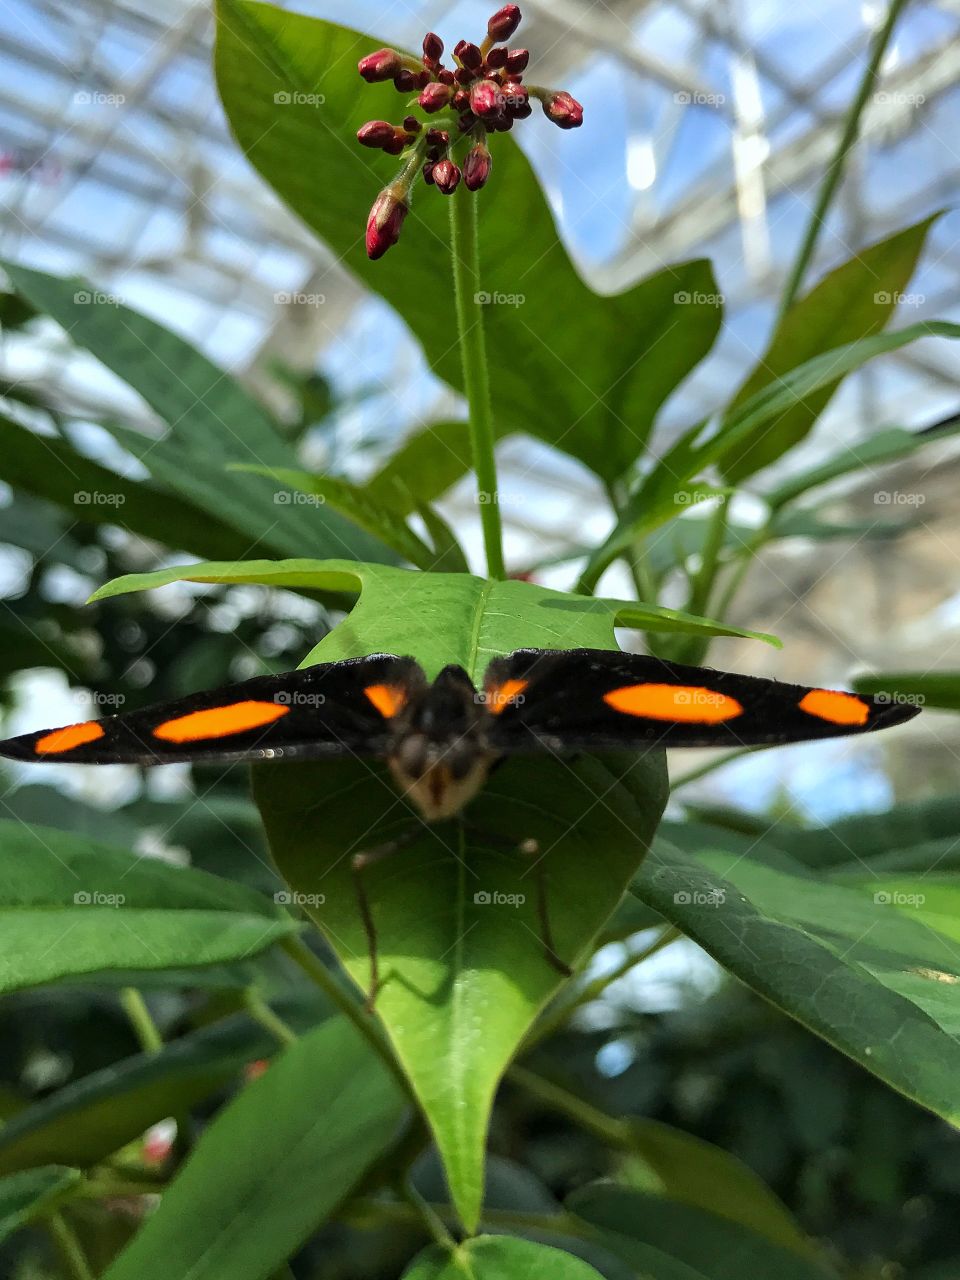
(500, 696)
(678, 703)
(74, 735)
(220, 722)
(387, 698)
(835, 707)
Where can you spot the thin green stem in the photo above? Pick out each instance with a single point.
(465, 252)
(261, 1012)
(300, 953)
(145, 1029)
(69, 1248)
(607, 1128)
(712, 765)
(837, 165)
(367, 1210)
(557, 1018)
(427, 1213)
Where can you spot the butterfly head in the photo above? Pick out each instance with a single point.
(440, 757)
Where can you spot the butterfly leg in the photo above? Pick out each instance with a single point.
(358, 864)
(530, 848)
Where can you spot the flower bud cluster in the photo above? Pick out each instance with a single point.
(481, 93)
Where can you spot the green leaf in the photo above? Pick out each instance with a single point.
(73, 906)
(387, 609)
(713, 1247)
(697, 1173)
(373, 515)
(918, 688)
(498, 1258)
(94, 1116)
(29, 1195)
(875, 451)
(865, 976)
(425, 466)
(48, 468)
(853, 302)
(700, 448)
(273, 1164)
(584, 372)
(624, 535)
(212, 421)
(908, 831)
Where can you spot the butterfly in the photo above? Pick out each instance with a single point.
(441, 738)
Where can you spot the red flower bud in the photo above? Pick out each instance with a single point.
(564, 110)
(375, 133)
(446, 175)
(466, 121)
(411, 124)
(404, 81)
(476, 167)
(463, 75)
(497, 58)
(485, 98)
(469, 55)
(446, 76)
(432, 47)
(516, 101)
(396, 143)
(435, 97)
(421, 79)
(504, 22)
(384, 223)
(438, 138)
(517, 60)
(428, 172)
(461, 100)
(382, 65)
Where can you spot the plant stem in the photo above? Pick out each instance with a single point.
(465, 252)
(702, 770)
(380, 1212)
(427, 1213)
(607, 1128)
(836, 167)
(146, 1030)
(261, 1012)
(69, 1248)
(592, 990)
(300, 953)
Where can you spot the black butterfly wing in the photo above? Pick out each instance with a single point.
(332, 709)
(591, 699)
